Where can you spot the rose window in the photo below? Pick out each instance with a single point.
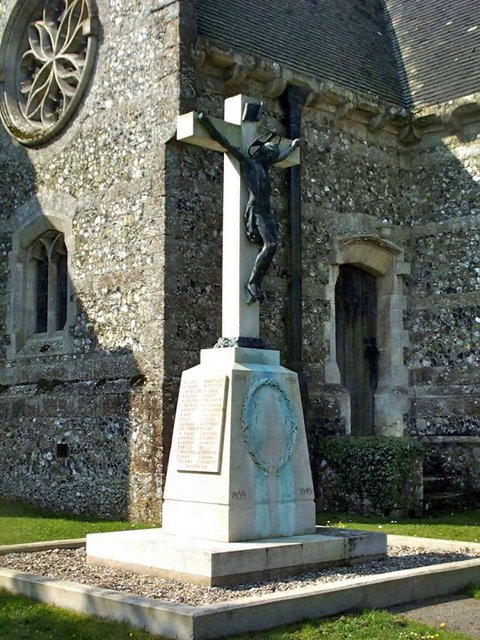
(47, 53)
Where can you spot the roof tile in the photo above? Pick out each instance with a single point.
(409, 52)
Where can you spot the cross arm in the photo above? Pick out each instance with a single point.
(190, 130)
(289, 157)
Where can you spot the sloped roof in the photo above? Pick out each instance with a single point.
(345, 41)
(439, 46)
(409, 52)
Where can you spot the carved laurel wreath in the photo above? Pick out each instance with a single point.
(274, 466)
(47, 53)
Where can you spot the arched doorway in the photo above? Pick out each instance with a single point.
(369, 268)
(356, 343)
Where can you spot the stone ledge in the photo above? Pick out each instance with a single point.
(434, 543)
(215, 563)
(410, 125)
(31, 547)
(251, 614)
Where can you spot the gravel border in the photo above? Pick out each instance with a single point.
(66, 564)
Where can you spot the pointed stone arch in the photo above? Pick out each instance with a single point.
(44, 223)
(384, 260)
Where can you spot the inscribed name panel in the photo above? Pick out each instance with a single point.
(200, 424)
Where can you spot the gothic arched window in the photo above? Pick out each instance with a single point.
(47, 284)
(42, 306)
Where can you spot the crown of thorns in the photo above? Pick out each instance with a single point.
(261, 141)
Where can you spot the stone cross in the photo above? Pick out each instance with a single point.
(239, 319)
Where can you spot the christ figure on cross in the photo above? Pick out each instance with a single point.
(260, 221)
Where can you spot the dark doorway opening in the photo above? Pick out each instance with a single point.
(356, 343)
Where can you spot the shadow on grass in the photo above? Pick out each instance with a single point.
(21, 524)
(19, 510)
(22, 618)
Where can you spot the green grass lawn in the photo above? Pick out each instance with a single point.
(22, 619)
(473, 592)
(22, 523)
(464, 525)
(370, 625)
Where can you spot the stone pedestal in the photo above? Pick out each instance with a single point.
(239, 497)
(239, 466)
(212, 563)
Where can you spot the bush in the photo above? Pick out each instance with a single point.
(376, 474)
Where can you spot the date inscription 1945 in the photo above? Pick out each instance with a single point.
(306, 491)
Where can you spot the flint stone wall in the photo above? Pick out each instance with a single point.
(147, 271)
(105, 398)
(444, 315)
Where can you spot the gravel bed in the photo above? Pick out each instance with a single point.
(66, 564)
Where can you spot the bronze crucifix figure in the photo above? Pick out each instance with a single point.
(260, 220)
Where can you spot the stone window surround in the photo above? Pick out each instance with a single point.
(384, 260)
(22, 12)
(43, 213)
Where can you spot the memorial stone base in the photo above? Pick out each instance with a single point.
(211, 563)
(239, 502)
(239, 465)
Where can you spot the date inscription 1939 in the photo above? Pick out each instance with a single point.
(241, 494)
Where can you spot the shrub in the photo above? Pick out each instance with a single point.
(375, 474)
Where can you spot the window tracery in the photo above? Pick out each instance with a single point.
(43, 307)
(47, 277)
(46, 56)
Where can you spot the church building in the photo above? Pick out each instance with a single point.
(111, 230)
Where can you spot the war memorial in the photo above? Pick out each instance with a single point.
(112, 234)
